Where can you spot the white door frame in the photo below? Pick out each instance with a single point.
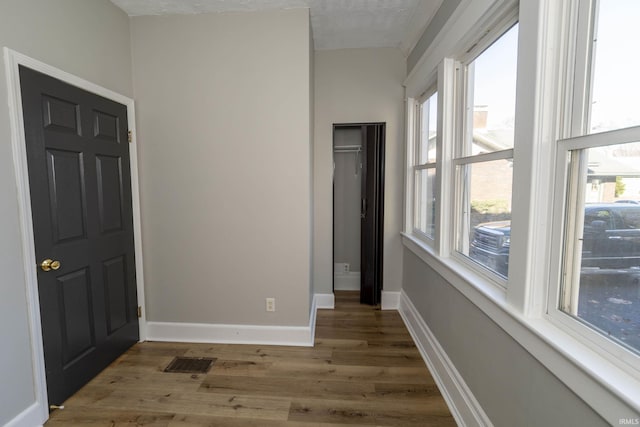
(14, 59)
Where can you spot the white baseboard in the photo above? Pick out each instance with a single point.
(325, 301)
(346, 281)
(390, 300)
(463, 405)
(230, 334)
(32, 416)
(301, 336)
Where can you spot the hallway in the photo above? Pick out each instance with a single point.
(364, 370)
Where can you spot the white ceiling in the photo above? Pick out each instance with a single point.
(337, 24)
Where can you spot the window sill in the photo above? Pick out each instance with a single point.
(450, 266)
(607, 388)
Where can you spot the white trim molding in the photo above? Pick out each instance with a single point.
(32, 416)
(230, 334)
(349, 281)
(325, 301)
(300, 336)
(13, 60)
(463, 405)
(390, 300)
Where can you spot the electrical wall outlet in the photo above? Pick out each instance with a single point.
(271, 304)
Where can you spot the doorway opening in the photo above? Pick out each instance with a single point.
(358, 209)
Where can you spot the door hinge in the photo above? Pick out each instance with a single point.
(130, 136)
(139, 312)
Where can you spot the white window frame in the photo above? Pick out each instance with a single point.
(566, 223)
(461, 155)
(575, 129)
(442, 83)
(414, 121)
(546, 56)
(417, 166)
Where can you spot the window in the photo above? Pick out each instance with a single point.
(424, 170)
(571, 280)
(599, 183)
(601, 269)
(484, 157)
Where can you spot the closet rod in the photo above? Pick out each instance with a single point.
(347, 148)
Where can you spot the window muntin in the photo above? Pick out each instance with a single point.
(615, 88)
(484, 165)
(424, 201)
(601, 270)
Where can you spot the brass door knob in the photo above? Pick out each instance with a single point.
(49, 264)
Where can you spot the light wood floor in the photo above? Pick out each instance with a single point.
(364, 370)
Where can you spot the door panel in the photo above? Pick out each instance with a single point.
(372, 215)
(66, 190)
(60, 115)
(116, 298)
(76, 315)
(106, 126)
(109, 171)
(80, 185)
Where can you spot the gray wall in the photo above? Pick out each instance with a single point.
(89, 39)
(356, 86)
(223, 105)
(312, 102)
(512, 387)
(347, 182)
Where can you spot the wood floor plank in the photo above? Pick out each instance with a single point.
(153, 348)
(241, 367)
(370, 358)
(331, 343)
(380, 320)
(430, 413)
(287, 387)
(261, 353)
(140, 380)
(375, 336)
(390, 391)
(204, 421)
(363, 370)
(158, 400)
(396, 374)
(142, 362)
(94, 417)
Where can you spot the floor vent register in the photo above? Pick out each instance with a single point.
(190, 365)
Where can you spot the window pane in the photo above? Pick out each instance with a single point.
(428, 130)
(425, 212)
(492, 82)
(616, 88)
(605, 289)
(486, 224)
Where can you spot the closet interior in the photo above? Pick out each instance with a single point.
(347, 189)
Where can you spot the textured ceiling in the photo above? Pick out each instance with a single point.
(337, 24)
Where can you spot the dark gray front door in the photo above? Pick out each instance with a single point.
(80, 185)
